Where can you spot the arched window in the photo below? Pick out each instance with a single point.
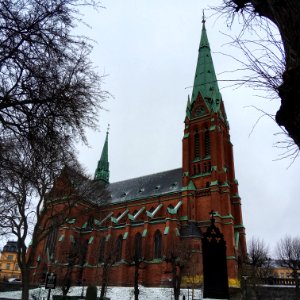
(157, 244)
(206, 142)
(83, 251)
(90, 223)
(138, 246)
(51, 239)
(119, 248)
(101, 249)
(197, 145)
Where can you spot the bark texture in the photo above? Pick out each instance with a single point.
(285, 15)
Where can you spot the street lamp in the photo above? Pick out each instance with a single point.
(245, 283)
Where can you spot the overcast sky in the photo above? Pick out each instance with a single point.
(149, 51)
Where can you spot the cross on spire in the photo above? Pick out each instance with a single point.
(203, 17)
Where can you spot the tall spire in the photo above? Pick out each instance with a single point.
(205, 81)
(102, 171)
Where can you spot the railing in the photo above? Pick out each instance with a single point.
(278, 281)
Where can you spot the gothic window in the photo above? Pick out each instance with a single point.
(197, 145)
(83, 251)
(205, 168)
(102, 249)
(195, 170)
(198, 169)
(157, 244)
(119, 248)
(90, 223)
(138, 246)
(206, 143)
(209, 166)
(51, 239)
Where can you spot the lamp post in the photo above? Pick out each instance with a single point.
(246, 288)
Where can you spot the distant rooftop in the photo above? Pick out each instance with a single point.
(10, 246)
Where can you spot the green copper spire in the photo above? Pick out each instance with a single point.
(205, 81)
(188, 107)
(102, 171)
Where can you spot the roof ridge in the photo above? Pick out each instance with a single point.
(144, 176)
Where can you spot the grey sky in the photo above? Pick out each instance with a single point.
(149, 50)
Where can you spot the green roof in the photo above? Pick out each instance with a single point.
(205, 81)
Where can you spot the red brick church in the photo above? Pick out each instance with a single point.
(152, 217)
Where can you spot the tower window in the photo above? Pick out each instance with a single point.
(206, 142)
(197, 145)
(194, 167)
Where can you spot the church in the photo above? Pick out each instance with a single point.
(111, 228)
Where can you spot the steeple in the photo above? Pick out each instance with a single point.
(205, 81)
(102, 171)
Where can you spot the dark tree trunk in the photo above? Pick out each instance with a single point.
(104, 280)
(136, 280)
(285, 15)
(176, 281)
(297, 290)
(25, 283)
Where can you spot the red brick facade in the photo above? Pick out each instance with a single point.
(162, 210)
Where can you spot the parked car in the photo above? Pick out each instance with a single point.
(14, 280)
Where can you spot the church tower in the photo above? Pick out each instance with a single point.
(209, 182)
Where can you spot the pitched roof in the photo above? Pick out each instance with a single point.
(146, 186)
(153, 185)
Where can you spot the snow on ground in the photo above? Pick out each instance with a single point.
(114, 293)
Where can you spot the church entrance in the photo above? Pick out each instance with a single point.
(214, 263)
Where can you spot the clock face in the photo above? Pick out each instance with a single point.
(199, 111)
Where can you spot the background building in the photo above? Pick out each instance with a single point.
(9, 267)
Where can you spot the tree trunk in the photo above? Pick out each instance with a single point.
(136, 280)
(285, 15)
(104, 280)
(297, 291)
(25, 282)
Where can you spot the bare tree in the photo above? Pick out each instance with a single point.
(49, 93)
(288, 254)
(25, 185)
(258, 264)
(48, 88)
(107, 257)
(284, 16)
(177, 254)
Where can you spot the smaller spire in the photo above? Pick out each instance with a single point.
(102, 170)
(188, 107)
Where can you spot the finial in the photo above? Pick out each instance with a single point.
(108, 126)
(203, 17)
